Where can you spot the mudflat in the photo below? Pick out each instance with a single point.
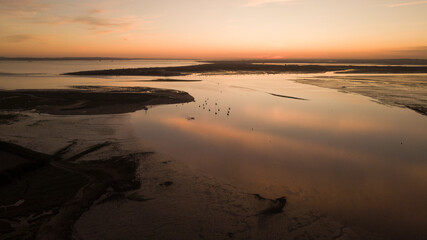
(52, 191)
(42, 193)
(411, 92)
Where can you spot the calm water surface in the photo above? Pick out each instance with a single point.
(341, 154)
(46, 74)
(55, 67)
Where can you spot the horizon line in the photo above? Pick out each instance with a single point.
(226, 59)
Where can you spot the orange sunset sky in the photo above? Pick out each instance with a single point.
(214, 28)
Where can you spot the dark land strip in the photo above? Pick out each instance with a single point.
(285, 96)
(89, 100)
(169, 80)
(249, 68)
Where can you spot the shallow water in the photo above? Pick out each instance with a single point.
(344, 155)
(341, 154)
(54, 67)
(46, 74)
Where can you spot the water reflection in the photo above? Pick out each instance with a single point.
(344, 155)
(327, 123)
(359, 161)
(46, 74)
(55, 67)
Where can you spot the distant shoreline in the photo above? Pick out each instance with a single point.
(393, 61)
(86, 59)
(245, 67)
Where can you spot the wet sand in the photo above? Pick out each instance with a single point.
(401, 91)
(6, 118)
(92, 180)
(41, 194)
(229, 67)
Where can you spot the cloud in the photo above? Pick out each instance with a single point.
(253, 3)
(415, 49)
(17, 38)
(418, 52)
(407, 4)
(95, 20)
(21, 7)
(96, 11)
(91, 21)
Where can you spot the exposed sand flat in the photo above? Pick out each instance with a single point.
(89, 100)
(248, 68)
(59, 171)
(390, 90)
(9, 117)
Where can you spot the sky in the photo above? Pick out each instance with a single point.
(214, 29)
